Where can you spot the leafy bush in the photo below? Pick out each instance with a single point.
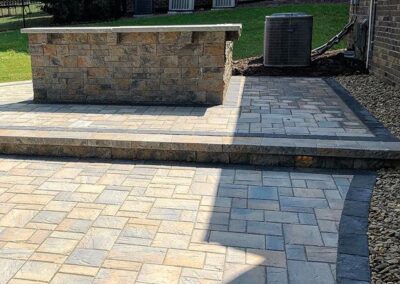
(66, 11)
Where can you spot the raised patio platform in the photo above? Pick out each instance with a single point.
(297, 122)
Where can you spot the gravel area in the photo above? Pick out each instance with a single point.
(381, 99)
(384, 228)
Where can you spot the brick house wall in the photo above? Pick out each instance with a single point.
(385, 59)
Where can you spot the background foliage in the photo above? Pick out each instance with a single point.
(67, 11)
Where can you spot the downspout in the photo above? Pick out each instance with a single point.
(371, 23)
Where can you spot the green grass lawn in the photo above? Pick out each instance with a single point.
(328, 20)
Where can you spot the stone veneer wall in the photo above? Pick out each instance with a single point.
(132, 67)
(385, 61)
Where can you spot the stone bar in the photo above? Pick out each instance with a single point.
(158, 65)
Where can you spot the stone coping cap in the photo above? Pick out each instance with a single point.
(132, 29)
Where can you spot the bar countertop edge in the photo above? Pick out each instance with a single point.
(132, 29)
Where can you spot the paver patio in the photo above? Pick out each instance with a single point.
(72, 221)
(254, 106)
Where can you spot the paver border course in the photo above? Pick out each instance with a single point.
(353, 252)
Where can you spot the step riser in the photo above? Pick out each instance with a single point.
(298, 161)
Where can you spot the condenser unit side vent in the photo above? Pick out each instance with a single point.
(224, 4)
(181, 5)
(287, 41)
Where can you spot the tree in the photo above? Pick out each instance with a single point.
(67, 11)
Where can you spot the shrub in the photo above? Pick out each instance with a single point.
(67, 11)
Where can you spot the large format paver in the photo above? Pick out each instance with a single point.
(96, 222)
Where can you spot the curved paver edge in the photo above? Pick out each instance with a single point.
(353, 253)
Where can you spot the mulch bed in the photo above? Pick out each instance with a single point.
(332, 63)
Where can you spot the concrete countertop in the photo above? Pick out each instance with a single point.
(132, 29)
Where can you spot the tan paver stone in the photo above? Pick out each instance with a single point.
(77, 269)
(188, 216)
(106, 276)
(160, 274)
(6, 196)
(121, 264)
(110, 210)
(39, 236)
(8, 267)
(144, 221)
(41, 226)
(58, 246)
(48, 257)
(207, 248)
(142, 254)
(171, 241)
(35, 270)
(49, 217)
(110, 222)
(84, 213)
(137, 234)
(171, 203)
(6, 166)
(63, 206)
(16, 179)
(215, 261)
(31, 199)
(17, 250)
(76, 196)
(22, 188)
(86, 179)
(62, 278)
(22, 281)
(112, 179)
(33, 207)
(136, 206)
(41, 173)
(266, 257)
(99, 238)
(17, 218)
(59, 186)
(5, 208)
(202, 275)
(67, 173)
(91, 188)
(173, 227)
(185, 258)
(67, 235)
(87, 257)
(160, 190)
(90, 205)
(15, 234)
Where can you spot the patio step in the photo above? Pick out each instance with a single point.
(288, 152)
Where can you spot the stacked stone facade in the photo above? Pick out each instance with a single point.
(385, 59)
(132, 67)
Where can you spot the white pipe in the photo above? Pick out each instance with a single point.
(371, 22)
